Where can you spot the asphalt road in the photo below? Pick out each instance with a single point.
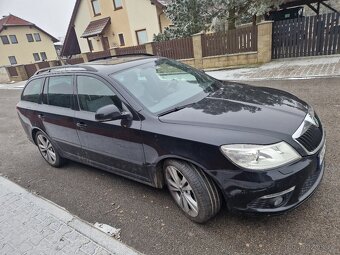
(150, 221)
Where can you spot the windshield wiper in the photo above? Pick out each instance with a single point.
(175, 109)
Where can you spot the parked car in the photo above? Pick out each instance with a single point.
(163, 123)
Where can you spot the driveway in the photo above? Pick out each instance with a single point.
(150, 221)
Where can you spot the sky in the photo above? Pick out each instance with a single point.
(53, 16)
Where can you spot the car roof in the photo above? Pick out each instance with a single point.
(105, 66)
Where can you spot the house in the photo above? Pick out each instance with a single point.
(99, 25)
(22, 42)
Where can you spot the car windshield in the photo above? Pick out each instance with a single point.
(164, 84)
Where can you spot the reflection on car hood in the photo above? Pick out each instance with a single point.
(246, 108)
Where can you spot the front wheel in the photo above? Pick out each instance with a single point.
(47, 150)
(192, 190)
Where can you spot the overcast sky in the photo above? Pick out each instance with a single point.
(52, 16)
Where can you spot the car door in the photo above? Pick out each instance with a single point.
(113, 145)
(57, 114)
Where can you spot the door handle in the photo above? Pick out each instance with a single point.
(41, 116)
(81, 125)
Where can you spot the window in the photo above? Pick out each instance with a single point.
(4, 39)
(32, 91)
(12, 60)
(95, 7)
(117, 4)
(164, 84)
(142, 36)
(94, 94)
(60, 91)
(121, 39)
(13, 39)
(43, 56)
(36, 57)
(37, 37)
(29, 37)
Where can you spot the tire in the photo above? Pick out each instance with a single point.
(193, 192)
(47, 150)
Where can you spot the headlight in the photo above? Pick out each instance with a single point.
(260, 157)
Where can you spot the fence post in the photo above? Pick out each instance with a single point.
(113, 52)
(197, 46)
(148, 48)
(22, 74)
(264, 41)
(84, 56)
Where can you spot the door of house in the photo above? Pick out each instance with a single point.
(307, 36)
(106, 44)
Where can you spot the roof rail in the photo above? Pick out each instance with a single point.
(123, 55)
(65, 68)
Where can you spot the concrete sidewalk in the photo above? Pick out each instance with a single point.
(33, 225)
(295, 68)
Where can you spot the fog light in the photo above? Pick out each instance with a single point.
(277, 201)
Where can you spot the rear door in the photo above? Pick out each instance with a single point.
(57, 114)
(114, 145)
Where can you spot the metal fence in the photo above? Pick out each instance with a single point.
(131, 50)
(176, 49)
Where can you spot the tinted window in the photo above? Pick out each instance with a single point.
(29, 37)
(32, 91)
(37, 37)
(60, 91)
(94, 94)
(13, 39)
(4, 39)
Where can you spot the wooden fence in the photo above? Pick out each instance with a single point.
(307, 36)
(231, 42)
(100, 54)
(175, 49)
(131, 50)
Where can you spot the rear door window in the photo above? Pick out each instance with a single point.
(60, 91)
(33, 90)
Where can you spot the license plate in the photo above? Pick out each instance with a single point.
(322, 155)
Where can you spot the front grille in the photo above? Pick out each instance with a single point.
(309, 183)
(311, 139)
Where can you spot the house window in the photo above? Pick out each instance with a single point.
(36, 56)
(12, 60)
(29, 37)
(43, 56)
(4, 39)
(13, 39)
(117, 4)
(121, 39)
(95, 7)
(142, 36)
(37, 37)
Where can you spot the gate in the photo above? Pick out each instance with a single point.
(30, 70)
(307, 36)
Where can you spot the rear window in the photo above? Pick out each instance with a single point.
(60, 91)
(32, 91)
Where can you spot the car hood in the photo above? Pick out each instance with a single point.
(245, 108)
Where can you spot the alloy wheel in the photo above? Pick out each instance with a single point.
(46, 149)
(181, 191)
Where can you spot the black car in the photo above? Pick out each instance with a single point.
(160, 122)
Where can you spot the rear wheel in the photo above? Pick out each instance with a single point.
(47, 150)
(192, 190)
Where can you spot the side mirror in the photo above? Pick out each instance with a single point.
(110, 112)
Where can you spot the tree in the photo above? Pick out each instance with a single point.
(189, 17)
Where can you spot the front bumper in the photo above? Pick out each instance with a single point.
(256, 192)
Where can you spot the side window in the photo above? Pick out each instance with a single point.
(60, 91)
(94, 94)
(32, 91)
